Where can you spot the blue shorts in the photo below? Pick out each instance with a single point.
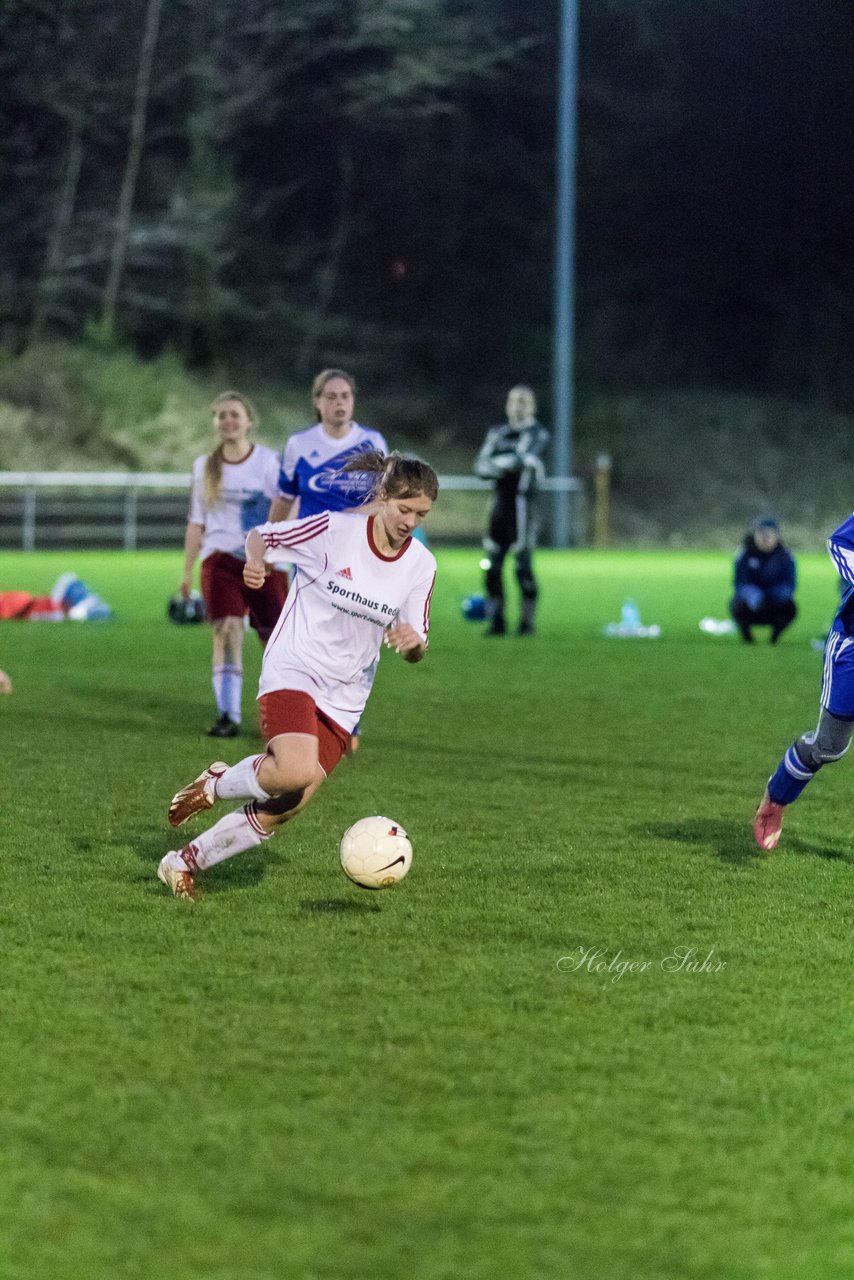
(837, 681)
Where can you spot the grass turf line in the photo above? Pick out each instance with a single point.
(296, 1078)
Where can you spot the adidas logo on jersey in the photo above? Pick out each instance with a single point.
(345, 573)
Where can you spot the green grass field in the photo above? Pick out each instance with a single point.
(294, 1079)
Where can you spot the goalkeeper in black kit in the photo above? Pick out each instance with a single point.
(512, 456)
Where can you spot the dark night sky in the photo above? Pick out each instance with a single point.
(415, 225)
(736, 216)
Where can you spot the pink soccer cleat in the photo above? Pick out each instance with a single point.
(197, 795)
(768, 823)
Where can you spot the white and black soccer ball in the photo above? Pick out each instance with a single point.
(375, 853)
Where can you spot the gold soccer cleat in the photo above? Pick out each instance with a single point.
(197, 795)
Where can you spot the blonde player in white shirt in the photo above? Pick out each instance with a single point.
(361, 581)
(232, 491)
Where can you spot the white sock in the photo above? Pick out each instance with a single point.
(235, 833)
(228, 690)
(217, 681)
(241, 781)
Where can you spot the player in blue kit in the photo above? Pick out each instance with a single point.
(312, 477)
(832, 737)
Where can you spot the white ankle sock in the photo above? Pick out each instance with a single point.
(241, 781)
(234, 833)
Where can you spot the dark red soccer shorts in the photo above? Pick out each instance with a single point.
(227, 596)
(291, 711)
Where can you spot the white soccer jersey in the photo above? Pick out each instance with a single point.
(312, 468)
(344, 594)
(248, 487)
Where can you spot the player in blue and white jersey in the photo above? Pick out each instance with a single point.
(832, 736)
(311, 476)
(232, 490)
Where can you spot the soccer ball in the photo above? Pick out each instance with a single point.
(474, 608)
(375, 853)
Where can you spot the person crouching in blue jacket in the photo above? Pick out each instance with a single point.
(764, 582)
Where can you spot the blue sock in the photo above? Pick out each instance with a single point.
(791, 777)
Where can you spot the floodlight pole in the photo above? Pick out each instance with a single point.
(564, 297)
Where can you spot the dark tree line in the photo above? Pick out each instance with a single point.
(370, 182)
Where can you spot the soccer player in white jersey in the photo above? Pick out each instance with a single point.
(362, 580)
(232, 491)
(313, 476)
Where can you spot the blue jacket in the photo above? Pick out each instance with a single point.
(763, 576)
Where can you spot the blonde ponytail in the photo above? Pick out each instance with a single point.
(212, 477)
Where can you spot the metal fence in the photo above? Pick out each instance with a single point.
(52, 510)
